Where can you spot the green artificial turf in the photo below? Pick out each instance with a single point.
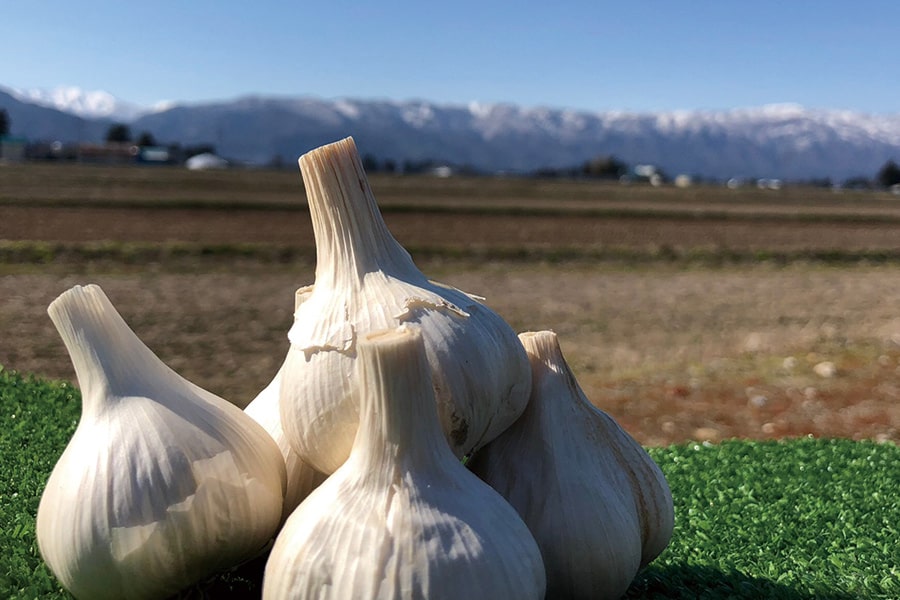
(799, 519)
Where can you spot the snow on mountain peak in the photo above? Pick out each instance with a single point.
(347, 108)
(784, 110)
(480, 110)
(162, 105)
(97, 104)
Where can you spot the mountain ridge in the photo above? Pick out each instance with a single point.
(787, 141)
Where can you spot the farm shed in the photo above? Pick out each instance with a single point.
(205, 161)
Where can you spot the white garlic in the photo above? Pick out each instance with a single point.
(402, 518)
(301, 478)
(163, 483)
(366, 281)
(597, 504)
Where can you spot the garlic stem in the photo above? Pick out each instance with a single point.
(544, 354)
(108, 357)
(352, 238)
(397, 423)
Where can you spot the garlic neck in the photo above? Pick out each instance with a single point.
(543, 352)
(399, 427)
(109, 359)
(550, 371)
(351, 236)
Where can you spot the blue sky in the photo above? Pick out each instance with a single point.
(637, 55)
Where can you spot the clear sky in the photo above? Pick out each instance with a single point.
(592, 55)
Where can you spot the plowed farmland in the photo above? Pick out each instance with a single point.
(699, 313)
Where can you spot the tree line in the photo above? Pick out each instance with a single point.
(120, 133)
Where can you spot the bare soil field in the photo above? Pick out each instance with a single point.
(673, 354)
(72, 184)
(674, 350)
(90, 204)
(449, 230)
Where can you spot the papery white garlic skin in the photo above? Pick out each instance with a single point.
(301, 478)
(365, 281)
(402, 518)
(597, 504)
(162, 483)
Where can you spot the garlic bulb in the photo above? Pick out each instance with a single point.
(402, 518)
(301, 478)
(163, 483)
(366, 281)
(597, 504)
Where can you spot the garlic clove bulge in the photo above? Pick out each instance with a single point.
(597, 504)
(301, 478)
(402, 517)
(366, 281)
(162, 483)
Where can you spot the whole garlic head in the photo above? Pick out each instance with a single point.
(163, 483)
(597, 504)
(402, 517)
(365, 281)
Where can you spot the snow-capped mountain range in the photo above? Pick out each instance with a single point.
(784, 140)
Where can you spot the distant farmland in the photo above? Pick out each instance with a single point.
(687, 313)
(485, 216)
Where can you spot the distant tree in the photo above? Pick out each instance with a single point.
(4, 122)
(858, 183)
(414, 167)
(604, 167)
(889, 174)
(821, 182)
(370, 163)
(146, 139)
(389, 166)
(119, 133)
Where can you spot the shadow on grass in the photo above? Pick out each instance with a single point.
(701, 582)
(241, 583)
(655, 582)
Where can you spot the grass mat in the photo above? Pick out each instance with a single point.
(796, 519)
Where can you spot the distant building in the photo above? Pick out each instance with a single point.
(683, 181)
(644, 173)
(205, 161)
(442, 171)
(154, 155)
(12, 149)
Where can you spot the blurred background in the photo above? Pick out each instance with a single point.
(703, 202)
